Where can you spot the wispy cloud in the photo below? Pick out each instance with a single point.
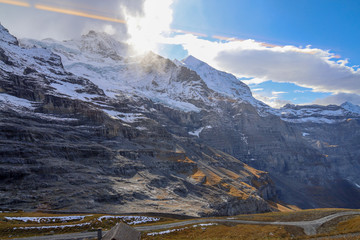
(277, 93)
(257, 89)
(299, 91)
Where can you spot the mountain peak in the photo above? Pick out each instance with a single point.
(351, 107)
(192, 61)
(178, 63)
(347, 103)
(102, 43)
(5, 36)
(219, 81)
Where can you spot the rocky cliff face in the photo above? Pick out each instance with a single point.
(334, 132)
(68, 144)
(86, 126)
(311, 152)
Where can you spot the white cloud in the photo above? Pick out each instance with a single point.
(272, 101)
(109, 29)
(257, 89)
(277, 93)
(300, 91)
(306, 67)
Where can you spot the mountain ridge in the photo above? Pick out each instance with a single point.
(66, 145)
(160, 134)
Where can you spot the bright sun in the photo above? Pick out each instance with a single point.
(146, 31)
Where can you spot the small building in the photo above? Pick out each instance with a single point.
(121, 231)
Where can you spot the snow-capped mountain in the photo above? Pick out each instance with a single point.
(318, 114)
(229, 86)
(351, 107)
(44, 71)
(146, 131)
(221, 82)
(107, 63)
(110, 65)
(226, 85)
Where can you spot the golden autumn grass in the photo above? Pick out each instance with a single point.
(346, 225)
(342, 225)
(221, 231)
(240, 231)
(302, 215)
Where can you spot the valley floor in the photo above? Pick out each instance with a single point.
(304, 224)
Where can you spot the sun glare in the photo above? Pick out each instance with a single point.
(147, 30)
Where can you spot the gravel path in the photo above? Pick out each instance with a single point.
(310, 227)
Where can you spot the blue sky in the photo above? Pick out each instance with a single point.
(325, 24)
(288, 51)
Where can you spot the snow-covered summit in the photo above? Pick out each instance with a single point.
(26, 60)
(178, 63)
(97, 46)
(102, 59)
(226, 84)
(351, 107)
(43, 70)
(103, 44)
(6, 37)
(221, 82)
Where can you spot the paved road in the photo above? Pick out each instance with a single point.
(310, 227)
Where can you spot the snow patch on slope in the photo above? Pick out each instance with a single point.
(55, 226)
(198, 131)
(126, 117)
(47, 219)
(70, 89)
(131, 220)
(166, 231)
(6, 99)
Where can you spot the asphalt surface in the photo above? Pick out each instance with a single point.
(310, 227)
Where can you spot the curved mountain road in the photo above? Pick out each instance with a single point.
(310, 227)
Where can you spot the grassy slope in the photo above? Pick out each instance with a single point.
(340, 225)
